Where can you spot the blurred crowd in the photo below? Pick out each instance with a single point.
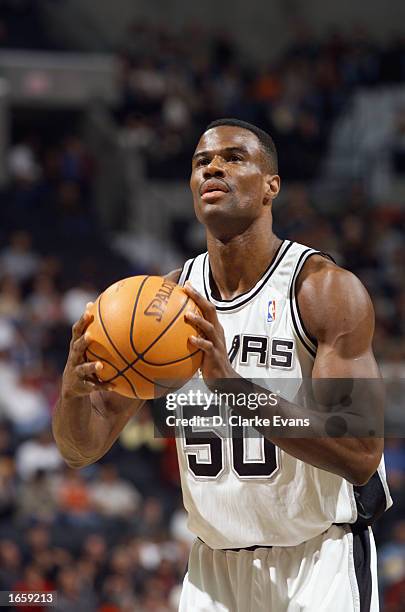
(174, 84)
(113, 537)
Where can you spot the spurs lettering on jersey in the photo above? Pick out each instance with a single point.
(241, 490)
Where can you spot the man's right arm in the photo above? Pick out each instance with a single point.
(89, 416)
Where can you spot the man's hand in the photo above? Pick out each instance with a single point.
(216, 364)
(79, 377)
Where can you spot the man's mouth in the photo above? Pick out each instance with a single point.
(212, 189)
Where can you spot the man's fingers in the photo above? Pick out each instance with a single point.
(82, 343)
(87, 374)
(86, 370)
(205, 326)
(88, 386)
(79, 348)
(80, 325)
(201, 343)
(207, 309)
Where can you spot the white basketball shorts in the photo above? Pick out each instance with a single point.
(333, 572)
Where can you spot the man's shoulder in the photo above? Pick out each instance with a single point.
(329, 295)
(321, 275)
(175, 275)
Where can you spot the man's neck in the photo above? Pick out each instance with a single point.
(239, 263)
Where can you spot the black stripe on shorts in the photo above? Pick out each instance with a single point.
(362, 565)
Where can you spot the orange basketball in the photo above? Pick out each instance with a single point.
(140, 335)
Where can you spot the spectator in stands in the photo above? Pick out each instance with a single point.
(19, 261)
(38, 453)
(94, 550)
(73, 595)
(75, 299)
(24, 404)
(11, 304)
(33, 580)
(74, 500)
(151, 522)
(112, 496)
(37, 499)
(10, 563)
(8, 489)
(44, 303)
(392, 557)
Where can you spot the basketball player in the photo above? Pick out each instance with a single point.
(282, 523)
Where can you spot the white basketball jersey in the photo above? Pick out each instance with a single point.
(244, 491)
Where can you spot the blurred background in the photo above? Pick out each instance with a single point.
(101, 105)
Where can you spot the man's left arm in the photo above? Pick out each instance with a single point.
(338, 313)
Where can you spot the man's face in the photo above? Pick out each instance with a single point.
(229, 180)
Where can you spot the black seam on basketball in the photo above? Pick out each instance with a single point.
(171, 362)
(115, 368)
(107, 334)
(141, 286)
(129, 364)
(141, 355)
(122, 373)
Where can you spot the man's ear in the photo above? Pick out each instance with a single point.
(272, 187)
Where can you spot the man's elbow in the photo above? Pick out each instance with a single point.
(360, 473)
(76, 464)
(359, 478)
(73, 459)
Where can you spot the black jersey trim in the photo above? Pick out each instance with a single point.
(207, 295)
(301, 331)
(246, 292)
(308, 341)
(235, 303)
(310, 338)
(362, 566)
(188, 266)
(189, 271)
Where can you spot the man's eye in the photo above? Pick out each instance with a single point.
(203, 161)
(235, 158)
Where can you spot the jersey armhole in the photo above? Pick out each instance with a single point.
(305, 337)
(186, 271)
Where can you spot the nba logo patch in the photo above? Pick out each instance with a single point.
(271, 311)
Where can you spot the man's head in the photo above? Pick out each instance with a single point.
(266, 141)
(234, 176)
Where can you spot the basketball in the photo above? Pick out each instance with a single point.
(140, 335)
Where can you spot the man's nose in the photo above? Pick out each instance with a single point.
(214, 168)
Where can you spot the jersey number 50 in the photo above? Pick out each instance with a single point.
(251, 456)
